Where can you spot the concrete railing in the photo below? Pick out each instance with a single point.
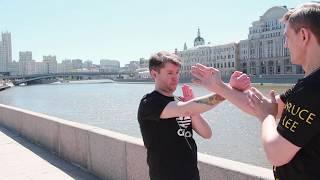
(107, 154)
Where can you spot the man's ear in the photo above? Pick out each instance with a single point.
(153, 73)
(305, 36)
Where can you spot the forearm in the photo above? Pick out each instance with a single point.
(192, 107)
(201, 104)
(201, 127)
(268, 133)
(236, 97)
(279, 150)
(270, 136)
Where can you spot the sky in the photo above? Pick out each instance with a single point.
(125, 30)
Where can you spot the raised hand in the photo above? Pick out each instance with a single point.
(240, 81)
(187, 93)
(208, 77)
(261, 105)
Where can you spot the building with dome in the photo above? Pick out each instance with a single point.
(198, 41)
(223, 57)
(261, 55)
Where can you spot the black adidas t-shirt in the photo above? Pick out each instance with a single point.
(171, 149)
(300, 124)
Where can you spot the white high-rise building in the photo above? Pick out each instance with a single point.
(51, 62)
(112, 66)
(88, 64)
(66, 66)
(3, 62)
(41, 68)
(76, 64)
(14, 68)
(263, 53)
(143, 63)
(25, 63)
(5, 52)
(133, 66)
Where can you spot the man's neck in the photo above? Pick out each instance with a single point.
(164, 92)
(312, 64)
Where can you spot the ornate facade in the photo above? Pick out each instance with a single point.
(263, 53)
(223, 57)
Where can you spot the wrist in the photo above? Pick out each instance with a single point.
(220, 88)
(194, 115)
(220, 98)
(266, 116)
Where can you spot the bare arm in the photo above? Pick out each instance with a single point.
(238, 98)
(279, 151)
(280, 106)
(201, 127)
(199, 124)
(192, 107)
(238, 80)
(210, 78)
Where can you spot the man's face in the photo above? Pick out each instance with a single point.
(294, 43)
(168, 77)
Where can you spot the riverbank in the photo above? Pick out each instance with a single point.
(150, 81)
(287, 79)
(272, 84)
(90, 81)
(3, 87)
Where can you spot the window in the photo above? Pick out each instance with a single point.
(278, 70)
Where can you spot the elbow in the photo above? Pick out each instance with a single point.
(271, 155)
(207, 135)
(278, 164)
(274, 155)
(275, 161)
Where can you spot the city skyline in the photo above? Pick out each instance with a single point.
(124, 30)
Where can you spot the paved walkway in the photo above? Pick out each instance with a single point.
(20, 159)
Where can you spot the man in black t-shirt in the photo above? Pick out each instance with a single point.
(167, 123)
(300, 125)
(293, 144)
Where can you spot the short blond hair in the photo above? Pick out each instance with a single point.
(305, 16)
(158, 60)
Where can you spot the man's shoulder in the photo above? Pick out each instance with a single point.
(149, 96)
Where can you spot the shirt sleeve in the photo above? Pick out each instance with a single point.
(151, 108)
(300, 121)
(285, 95)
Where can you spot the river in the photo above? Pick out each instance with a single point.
(113, 106)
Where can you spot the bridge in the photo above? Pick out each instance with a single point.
(36, 78)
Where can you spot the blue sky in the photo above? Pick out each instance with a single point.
(122, 29)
